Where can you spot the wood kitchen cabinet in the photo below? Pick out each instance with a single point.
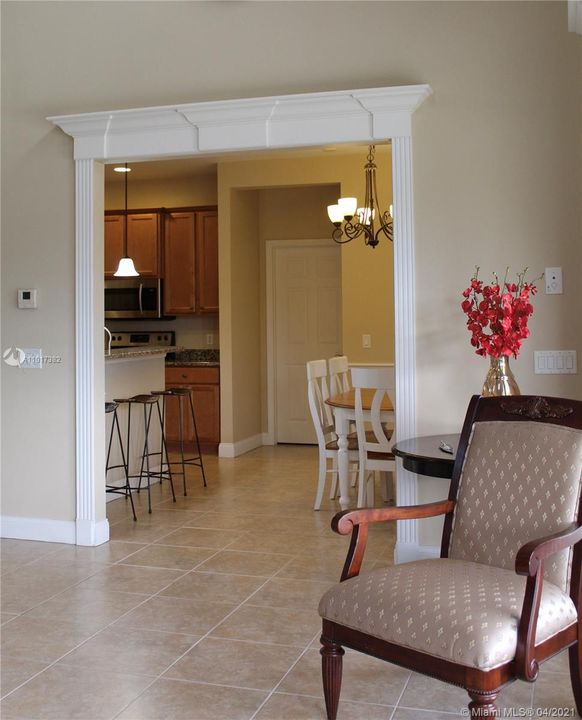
(143, 242)
(205, 387)
(191, 261)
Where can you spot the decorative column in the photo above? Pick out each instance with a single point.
(92, 526)
(405, 334)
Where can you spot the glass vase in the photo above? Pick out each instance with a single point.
(500, 380)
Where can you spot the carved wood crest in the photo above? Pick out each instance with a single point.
(537, 408)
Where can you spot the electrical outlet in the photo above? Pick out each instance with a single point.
(209, 338)
(366, 341)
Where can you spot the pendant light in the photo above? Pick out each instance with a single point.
(126, 268)
(351, 221)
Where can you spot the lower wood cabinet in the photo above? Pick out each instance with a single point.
(205, 385)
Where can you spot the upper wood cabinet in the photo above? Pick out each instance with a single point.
(114, 229)
(207, 257)
(143, 242)
(179, 263)
(190, 262)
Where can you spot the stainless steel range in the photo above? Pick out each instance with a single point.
(148, 338)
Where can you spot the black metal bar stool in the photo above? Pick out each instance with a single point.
(196, 460)
(148, 402)
(111, 407)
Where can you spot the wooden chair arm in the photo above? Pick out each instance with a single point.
(357, 521)
(530, 556)
(530, 561)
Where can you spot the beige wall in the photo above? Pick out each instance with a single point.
(497, 168)
(177, 192)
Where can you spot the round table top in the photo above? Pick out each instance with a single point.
(422, 455)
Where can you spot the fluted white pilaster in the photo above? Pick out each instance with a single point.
(405, 329)
(91, 530)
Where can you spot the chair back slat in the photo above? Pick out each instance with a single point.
(339, 375)
(318, 393)
(519, 480)
(381, 380)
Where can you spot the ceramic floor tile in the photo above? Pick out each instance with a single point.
(131, 650)
(175, 700)
(214, 587)
(554, 691)
(88, 608)
(73, 693)
(110, 552)
(245, 563)
(6, 617)
(559, 663)
(130, 531)
(231, 662)
(364, 678)
(178, 558)
(133, 579)
(282, 706)
(321, 569)
(16, 670)
(290, 593)
(201, 537)
(177, 615)
(226, 521)
(25, 551)
(271, 625)
(405, 714)
(425, 693)
(42, 639)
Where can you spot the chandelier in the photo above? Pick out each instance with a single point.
(352, 221)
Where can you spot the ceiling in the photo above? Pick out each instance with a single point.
(207, 164)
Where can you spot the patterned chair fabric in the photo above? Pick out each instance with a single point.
(520, 481)
(460, 611)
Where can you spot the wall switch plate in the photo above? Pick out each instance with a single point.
(32, 359)
(367, 341)
(555, 362)
(553, 277)
(26, 299)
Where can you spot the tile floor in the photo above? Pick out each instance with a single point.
(207, 609)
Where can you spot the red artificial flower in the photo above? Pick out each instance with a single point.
(504, 310)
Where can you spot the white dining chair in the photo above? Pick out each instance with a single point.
(322, 416)
(339, 375)
(374, 443)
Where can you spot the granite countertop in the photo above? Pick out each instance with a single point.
(141, 352)
(204, 357)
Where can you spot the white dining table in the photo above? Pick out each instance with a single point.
(344, 412)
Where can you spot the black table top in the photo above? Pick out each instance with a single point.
(422, 455)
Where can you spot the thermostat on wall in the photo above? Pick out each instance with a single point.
(26, 298)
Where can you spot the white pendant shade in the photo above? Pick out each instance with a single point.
(348, 206)
(335, 213)
(126, 268)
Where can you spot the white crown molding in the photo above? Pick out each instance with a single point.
(575, 16)
(255, 123)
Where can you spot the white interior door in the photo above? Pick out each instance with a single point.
(307, 326)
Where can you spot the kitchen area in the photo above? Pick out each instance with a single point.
(161, 313)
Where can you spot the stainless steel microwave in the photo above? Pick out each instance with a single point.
(133, 298)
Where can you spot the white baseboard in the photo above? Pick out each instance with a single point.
(407, 552)
(231, 450)
(268, 438)
(90, 532)
(23, 528)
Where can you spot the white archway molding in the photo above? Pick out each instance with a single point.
(287, 121)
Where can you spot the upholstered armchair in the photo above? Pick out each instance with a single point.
(506, 593)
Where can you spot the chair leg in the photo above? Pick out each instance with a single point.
(334, 479)
(483, 704)
(370, 483)
(321, 480)
(575, 655)
(362, 477)
(331, 671)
